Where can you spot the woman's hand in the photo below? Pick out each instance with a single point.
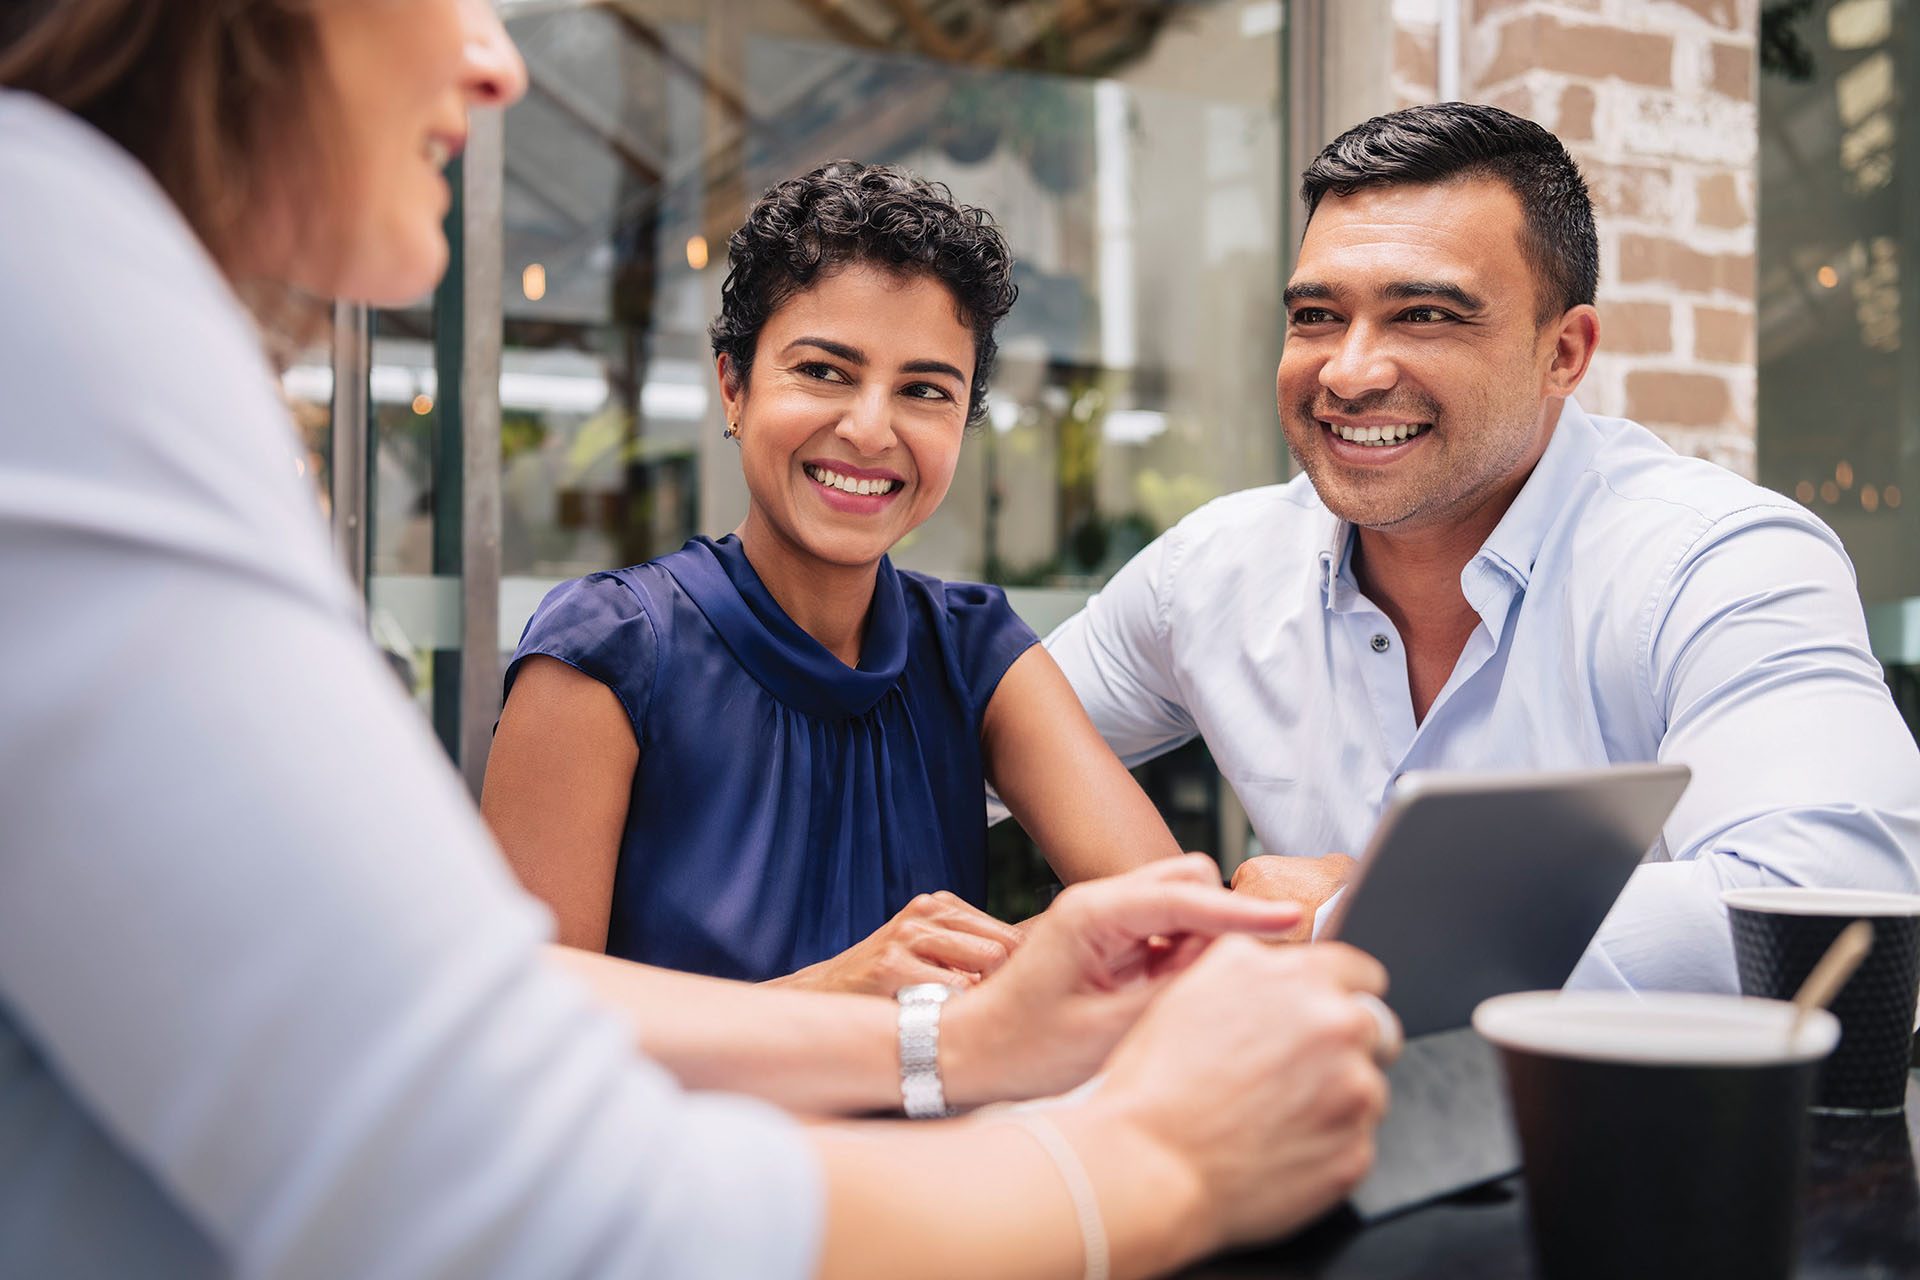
(1240, 1105)
(1255, 1081)
(1088, 967)
(937, 937)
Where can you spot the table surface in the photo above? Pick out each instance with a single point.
(1861, 1218)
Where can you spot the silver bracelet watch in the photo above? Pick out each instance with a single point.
(922, 1095)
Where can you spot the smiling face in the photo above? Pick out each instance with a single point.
(1417, 387)
(404, 74)
(851, 420)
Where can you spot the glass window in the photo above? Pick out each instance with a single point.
(413, 539)
(1133, 154)
(308, 387)
(401, 519)
(1839, 387)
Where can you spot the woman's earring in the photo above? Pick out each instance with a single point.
(732, 432)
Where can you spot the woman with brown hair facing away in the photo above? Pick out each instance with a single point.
(270, 1002)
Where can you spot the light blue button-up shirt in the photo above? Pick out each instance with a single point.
(1634, 606)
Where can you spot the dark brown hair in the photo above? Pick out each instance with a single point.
(208, 95)
(842, 213)
(1449, 141)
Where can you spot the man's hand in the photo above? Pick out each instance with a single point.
(1047, 1020)
(937, 937)
(1307, 881)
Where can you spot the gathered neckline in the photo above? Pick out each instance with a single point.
(777, 651)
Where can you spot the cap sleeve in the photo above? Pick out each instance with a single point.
(599, 626)
(988, 636)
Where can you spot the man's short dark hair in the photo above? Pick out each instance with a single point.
(846, 213)
(1450, 141)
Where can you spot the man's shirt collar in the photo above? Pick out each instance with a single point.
(1336, 577)
(1515, 542)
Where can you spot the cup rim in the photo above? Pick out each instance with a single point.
(1798, 900)
(1681, 1017)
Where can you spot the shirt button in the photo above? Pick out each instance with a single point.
(1380, 643)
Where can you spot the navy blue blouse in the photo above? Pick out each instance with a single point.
(786, 805)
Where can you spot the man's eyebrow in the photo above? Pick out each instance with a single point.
(1305, 289)
(1412, 290)
(852, 355)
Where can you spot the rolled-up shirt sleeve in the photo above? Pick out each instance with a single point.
(253, 935)
(1757, 662)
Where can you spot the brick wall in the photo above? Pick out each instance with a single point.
(1416, 51)
(1656, 100)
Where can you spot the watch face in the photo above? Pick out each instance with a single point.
(924, 993)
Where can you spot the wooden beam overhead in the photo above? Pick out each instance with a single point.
(573, 110)
(642, 29)
(834, 17)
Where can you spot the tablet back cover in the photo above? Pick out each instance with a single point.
(1475, 885)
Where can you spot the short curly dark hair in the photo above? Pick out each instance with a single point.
(845, 213)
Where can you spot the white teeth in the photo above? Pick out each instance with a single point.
(438, 153)
(848, 484)
(1393, 433)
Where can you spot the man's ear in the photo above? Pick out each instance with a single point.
(1576, 336)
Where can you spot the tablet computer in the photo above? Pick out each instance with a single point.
(1474, 885)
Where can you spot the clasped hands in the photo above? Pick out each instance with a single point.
(939, 937)
(1055, 996)
(1253, 1072)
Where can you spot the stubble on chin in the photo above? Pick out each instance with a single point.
(1368, 502)
(1371, 500)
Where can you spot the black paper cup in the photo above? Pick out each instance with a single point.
(1662, 1135)
(1780, 934)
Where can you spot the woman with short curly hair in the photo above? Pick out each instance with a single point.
(764, 756)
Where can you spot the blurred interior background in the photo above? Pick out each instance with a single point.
(550, 411)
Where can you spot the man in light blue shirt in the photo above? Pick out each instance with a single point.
(1473, 573)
